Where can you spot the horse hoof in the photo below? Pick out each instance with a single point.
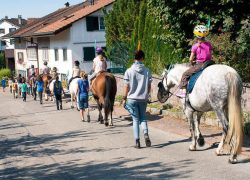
(191, 148)
(232, 161)
(72, 107)
(106, 124)
(201, 141)
(101, 122)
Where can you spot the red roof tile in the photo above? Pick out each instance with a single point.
(60, 19)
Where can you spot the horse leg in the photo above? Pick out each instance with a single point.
(72, 99)
(100, 118)
(189, 114)
(224, 121)
(111, 119)
(200, 139)
(88, 116)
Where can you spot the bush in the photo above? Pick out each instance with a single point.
(5, 73)
(246, 121)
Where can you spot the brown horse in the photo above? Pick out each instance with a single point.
(104, 90)
(46, 78)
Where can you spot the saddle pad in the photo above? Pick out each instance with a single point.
(193, 80)
(195, 76)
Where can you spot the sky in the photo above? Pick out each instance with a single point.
(31, 8)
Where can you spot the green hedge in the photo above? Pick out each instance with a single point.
(5, 73)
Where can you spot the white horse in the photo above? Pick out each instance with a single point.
(51, 88)
(217, 89)
(73, 89)
(73, 92)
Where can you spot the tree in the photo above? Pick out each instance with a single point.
(2, 61)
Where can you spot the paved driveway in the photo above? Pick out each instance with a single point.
(38, 142)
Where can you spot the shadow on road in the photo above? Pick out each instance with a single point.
(54, 145)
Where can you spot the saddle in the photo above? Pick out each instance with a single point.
(196, 75)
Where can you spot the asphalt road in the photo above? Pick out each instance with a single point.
(39, 142)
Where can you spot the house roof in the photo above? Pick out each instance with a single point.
(59, 20)
(15, 21)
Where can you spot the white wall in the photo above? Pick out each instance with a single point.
(61, 41)
(81, 38)
(73, 39)
(6, 25)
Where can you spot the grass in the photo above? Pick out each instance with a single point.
(155, 105)
(118, 98)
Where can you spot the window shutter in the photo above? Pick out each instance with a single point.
(92, 23)
(89, 53)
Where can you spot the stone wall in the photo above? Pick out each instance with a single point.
(174, 100)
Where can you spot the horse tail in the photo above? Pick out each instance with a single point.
(234, 136)
(107, 101)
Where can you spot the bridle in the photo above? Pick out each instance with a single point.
(169, 93)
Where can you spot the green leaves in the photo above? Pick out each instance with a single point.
(165, 29)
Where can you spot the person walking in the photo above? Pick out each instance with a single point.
(39, 85)
(58, 90)
(15, 89)
(82, 91)
(33, 85)
(137, 87)
(3, 83)
(24, 89)
(10, 83)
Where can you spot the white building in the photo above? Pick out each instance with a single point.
(60, 38)
(9, 25)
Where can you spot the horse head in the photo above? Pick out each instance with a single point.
(167, 82)
(163, 93)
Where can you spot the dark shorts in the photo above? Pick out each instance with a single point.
(83, 102)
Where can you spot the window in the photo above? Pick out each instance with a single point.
(20, 57)
(31, 54)
(12, 41)
(88, 53)
(65, 55)
(101, 23)
(95, 23)
(45, 54)
(2, 31)
(56, 55)
(12, 29)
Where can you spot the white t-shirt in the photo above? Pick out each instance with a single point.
(99, 65)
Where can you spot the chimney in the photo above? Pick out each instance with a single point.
(6, 17)
(19, 19)
(92, 2)
(67, 4)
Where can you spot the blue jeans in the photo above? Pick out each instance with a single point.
(137, 109)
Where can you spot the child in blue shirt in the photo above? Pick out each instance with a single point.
(3, 82)
(83, 89)
(39, 85)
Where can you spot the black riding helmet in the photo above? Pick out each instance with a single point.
(45, 63)
(77, 63)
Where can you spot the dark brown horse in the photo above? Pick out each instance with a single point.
(46, 78)
(104, 90)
